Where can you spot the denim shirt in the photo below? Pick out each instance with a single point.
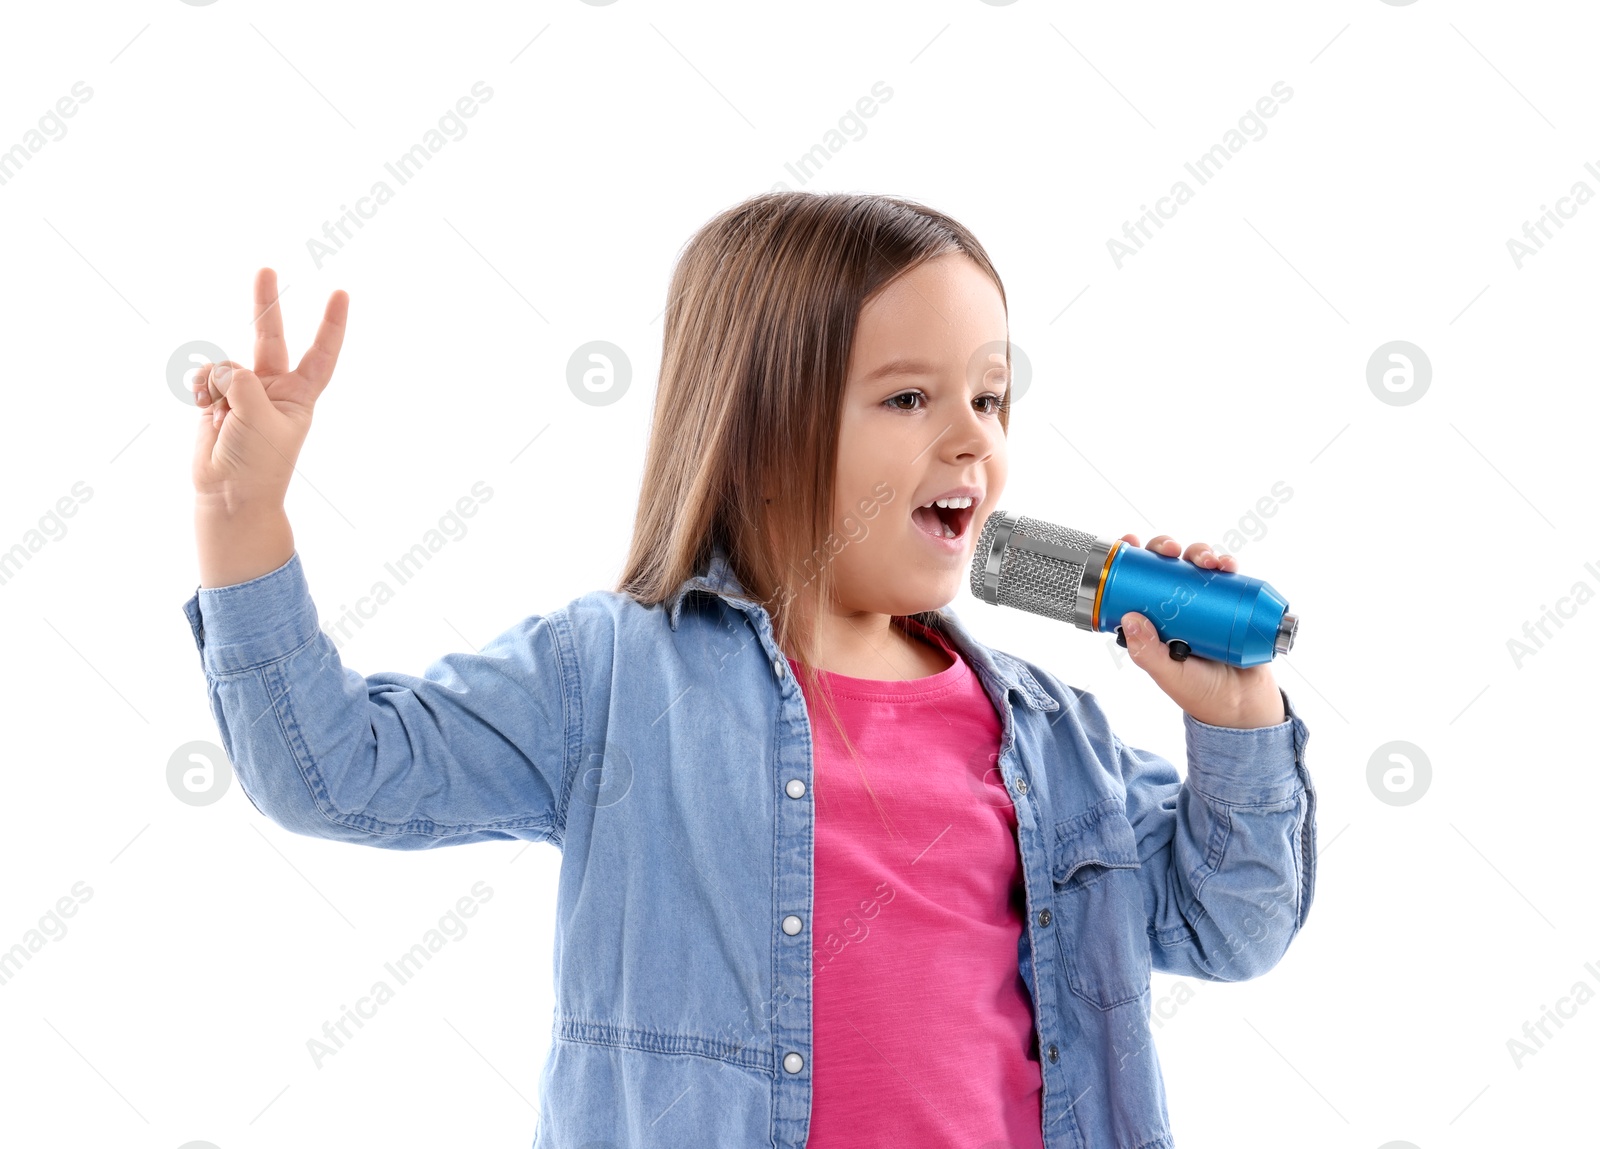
(666, 751)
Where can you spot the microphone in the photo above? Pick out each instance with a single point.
(1074, 577)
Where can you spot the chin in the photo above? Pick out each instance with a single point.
(934, 590)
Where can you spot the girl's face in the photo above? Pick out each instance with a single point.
(921, 420)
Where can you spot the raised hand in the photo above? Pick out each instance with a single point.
(253, 423)
(1218, 693)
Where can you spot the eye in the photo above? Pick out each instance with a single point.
(997, 402)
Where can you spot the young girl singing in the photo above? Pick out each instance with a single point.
(834, 872)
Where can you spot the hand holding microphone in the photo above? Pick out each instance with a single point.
(1162, 607)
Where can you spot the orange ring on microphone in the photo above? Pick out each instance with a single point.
(1100, 587)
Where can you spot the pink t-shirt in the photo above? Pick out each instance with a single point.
(922, 1028)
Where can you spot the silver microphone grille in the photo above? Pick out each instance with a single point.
(1037, 567)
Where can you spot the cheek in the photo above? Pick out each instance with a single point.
(868, 509)
(853, 526)
(873, 457)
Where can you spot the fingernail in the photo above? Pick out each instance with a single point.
(221, 375)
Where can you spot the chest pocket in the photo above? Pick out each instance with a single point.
(1099, 907)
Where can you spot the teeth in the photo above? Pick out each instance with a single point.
(950, 503)
(936, 526)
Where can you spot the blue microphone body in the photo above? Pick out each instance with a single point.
(1072, 576)
(1226, 617)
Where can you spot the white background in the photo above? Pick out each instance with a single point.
(1168, 396)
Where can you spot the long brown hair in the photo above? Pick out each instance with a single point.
(761, 315)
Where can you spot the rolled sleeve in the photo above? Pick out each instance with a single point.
(1259, 767)
(250, 624)
(1228, 849)
(1260, 776)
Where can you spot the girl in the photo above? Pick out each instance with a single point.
(834, 872)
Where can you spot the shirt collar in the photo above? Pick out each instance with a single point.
(1009, 672)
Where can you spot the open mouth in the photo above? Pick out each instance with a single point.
(944, 522)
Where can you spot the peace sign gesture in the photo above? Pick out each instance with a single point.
(253, 423)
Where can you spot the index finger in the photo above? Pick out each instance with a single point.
(272, 357)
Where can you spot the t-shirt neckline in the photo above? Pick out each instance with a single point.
(940, 682)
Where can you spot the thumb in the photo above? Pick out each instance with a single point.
(242, 388)
(1148, 652)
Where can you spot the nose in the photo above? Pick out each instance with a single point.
(970, 437)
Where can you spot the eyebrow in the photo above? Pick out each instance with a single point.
(900, 367)
(907, 367)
